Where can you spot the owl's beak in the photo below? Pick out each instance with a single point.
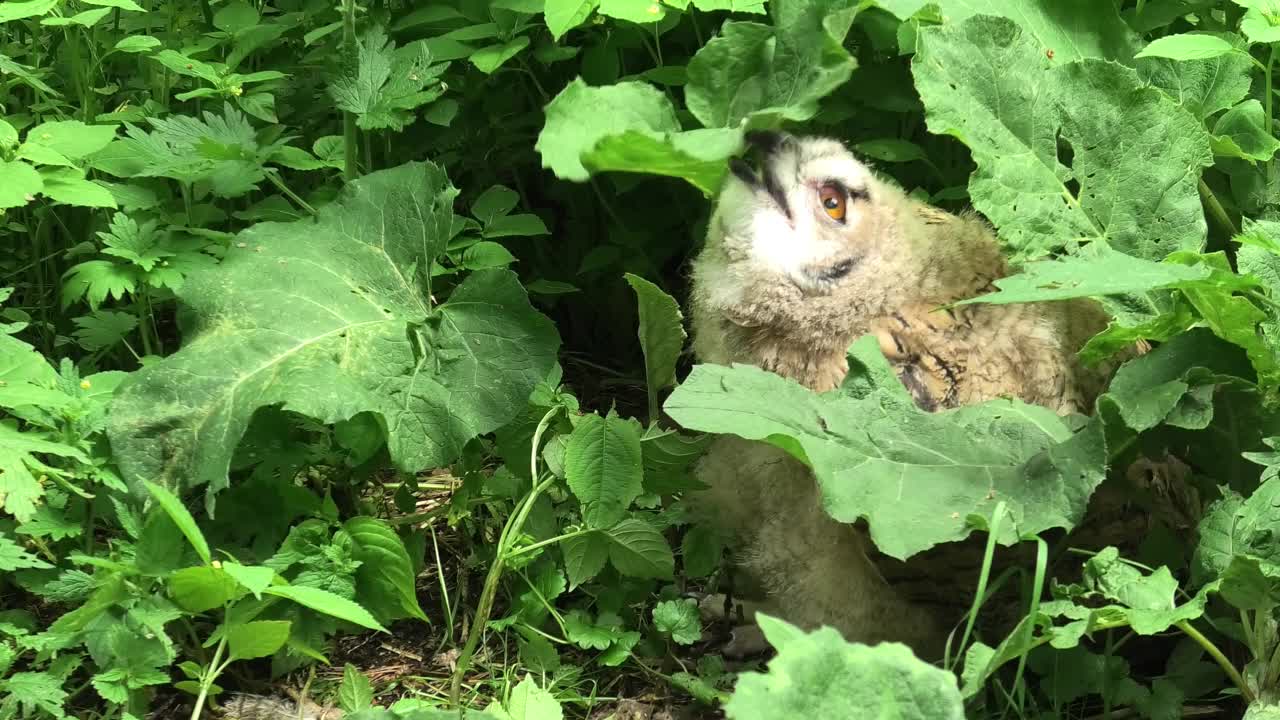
(762, 146)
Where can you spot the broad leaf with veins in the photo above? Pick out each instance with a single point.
(332, 317)
(916, 476)
(1136, 155)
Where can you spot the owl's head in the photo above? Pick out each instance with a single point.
(804, 209)
(805, 243)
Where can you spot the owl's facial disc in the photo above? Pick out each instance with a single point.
(798, 207)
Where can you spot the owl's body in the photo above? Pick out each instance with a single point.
(801, 261)
(243, 706)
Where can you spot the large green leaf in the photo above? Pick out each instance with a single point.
(385, 579)
(328, 603)
(19, 183)
(915, 476)
(1079, 29)
(1237, 528)
(661, 334)
(603, 469)
(256, 639)
(629, 127)
(820, 675)
(181, 517)
(774, 73)
(750, 75)
(331, 317)
(1203, 87)
(1133, 176)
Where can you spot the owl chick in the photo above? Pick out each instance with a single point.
(805, 253)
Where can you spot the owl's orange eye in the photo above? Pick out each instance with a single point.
(834, 200)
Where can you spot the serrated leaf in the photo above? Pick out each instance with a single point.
(768, 74)
(34, 691)
(629, 127)
(189, 66)
(679, 619)
(584, 556)
(661, 335)
(1158, 386)
(1235, 527)
(382, 84)
(603, 467)
(385, 578)
(1137, 179)
(637, 549)
(866, 451)
(1095, 271)
(103, 329)
(355, 693)
(580, 629)
(819, 675)
(1203, 87)
(22, 472)
(329, 319)
(528, 702)
(1087, 28)
(202, 588)
(97, 280)
(13, 557)
(1146, 601)
(1241, 132)
(181, 517)
(254, 578)
(256, 639)
(328, 603)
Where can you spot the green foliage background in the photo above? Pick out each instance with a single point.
(319, 318)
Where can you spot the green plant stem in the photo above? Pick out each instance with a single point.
(549, 541)
(207, 12)
(1042, 563)
(349, 141)
(444, 587)
(490, 591)
(1271, 61)
(512, 529)
(274, 177)
(212, 671)
(1216, 211)
(1219, 658)
(997, 519)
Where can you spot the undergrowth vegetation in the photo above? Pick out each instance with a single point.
(334, 325)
